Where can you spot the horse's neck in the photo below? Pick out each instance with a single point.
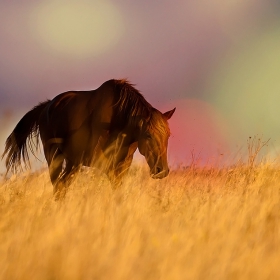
(105, 125)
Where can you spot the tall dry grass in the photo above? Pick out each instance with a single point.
(195, 224)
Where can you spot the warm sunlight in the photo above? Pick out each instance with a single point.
(246, 86)
(77, 28)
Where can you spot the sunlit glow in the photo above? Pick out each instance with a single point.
(77, 28)
(198, 129)
(247, 87)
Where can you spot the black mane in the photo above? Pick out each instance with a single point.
(131, 102)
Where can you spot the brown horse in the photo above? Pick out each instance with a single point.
(100, 128)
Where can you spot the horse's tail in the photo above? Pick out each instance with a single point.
(21, 138)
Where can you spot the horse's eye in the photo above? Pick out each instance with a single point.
(149, 136)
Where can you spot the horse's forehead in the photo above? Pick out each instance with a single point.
(159, 124)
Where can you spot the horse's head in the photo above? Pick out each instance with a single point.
(152, 142)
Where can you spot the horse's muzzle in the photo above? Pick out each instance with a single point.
(160, 174)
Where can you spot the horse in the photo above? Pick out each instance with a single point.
(99, 128)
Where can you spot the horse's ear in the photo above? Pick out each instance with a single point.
(169, 114)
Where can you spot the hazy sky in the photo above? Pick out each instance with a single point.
(216, 61)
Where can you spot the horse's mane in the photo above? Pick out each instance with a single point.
(131, 102)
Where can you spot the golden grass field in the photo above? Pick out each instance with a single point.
(197, 223)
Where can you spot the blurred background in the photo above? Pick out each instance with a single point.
(216, 61)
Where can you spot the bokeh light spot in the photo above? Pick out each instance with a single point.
(77, 28)
(246, 88)
(197, 128)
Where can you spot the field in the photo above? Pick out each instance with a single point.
(198, 223)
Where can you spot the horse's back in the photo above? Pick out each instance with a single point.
(69, 110)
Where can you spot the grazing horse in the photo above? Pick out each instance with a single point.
(101, 128)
